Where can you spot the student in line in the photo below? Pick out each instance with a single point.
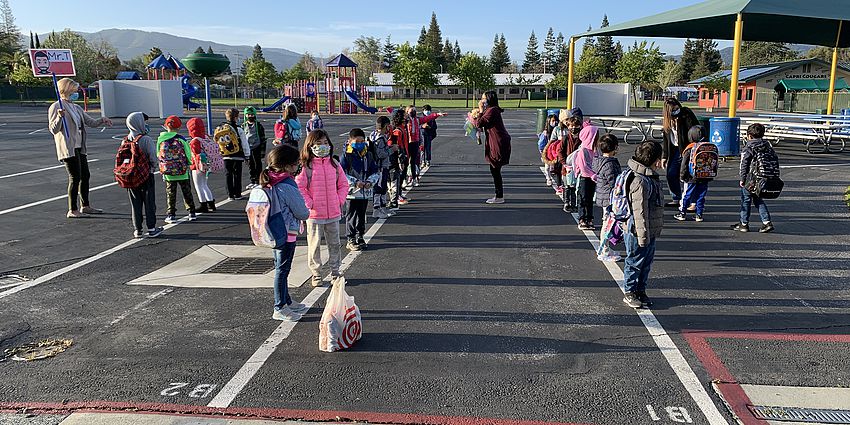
(175, 161)
(324, 186)
(429, 133)
(282, 165)
(256, 134)
(71, 147)
(758, 152)
(288, 128)
(607, 168)
(234, 149)
(206, 159)
(362, 172)
(586, 188)
(383, 154)
(143, 197)
(677, 121)
(315, 122)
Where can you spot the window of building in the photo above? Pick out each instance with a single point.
(807, 68)
(750, 94)
(704, 94)
(710, 95)
(439, 91)
(452, 91)
(501, 91)
(740, 93)
(514, 91)
(407, 92)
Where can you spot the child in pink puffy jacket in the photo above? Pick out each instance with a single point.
(324, 187)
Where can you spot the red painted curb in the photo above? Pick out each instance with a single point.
(735, 396)
(261, 413)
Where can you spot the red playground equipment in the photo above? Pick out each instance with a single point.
(304, 94)
(341, 86)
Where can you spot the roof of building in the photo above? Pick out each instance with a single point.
(161, 63)
(341, 61)
(681, 89)
(750, 73)
(386, 79)
(809, 84)
(128, 75)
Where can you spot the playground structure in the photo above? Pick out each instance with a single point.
(341, 88)
(303, 94)
(169, 68)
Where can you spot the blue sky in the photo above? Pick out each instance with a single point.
(326, 27)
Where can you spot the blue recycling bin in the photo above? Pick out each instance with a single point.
(725, 133)
(845, 112)
(554, 112)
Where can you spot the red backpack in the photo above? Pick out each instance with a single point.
(553, 150)
(132, 165)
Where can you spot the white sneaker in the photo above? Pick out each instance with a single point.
(416, 183)
(495, 201)
(286, 315)
(388, 211)
(251, 186)
(379, 213)
(298, 308)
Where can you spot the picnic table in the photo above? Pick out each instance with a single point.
(811, 133)
(642, 125)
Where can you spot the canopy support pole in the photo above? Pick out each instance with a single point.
(736, 66)
(833, 70)
(570, 74)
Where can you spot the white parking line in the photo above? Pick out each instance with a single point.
(39, 170)
(148, 299)
(53, 275)
(844, 164)
(37, 131)
(663, 341)
(236, 384)
(55, 198)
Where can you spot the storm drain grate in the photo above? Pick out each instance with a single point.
(817, 416)
(238, 265)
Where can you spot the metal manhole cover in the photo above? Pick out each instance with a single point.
(795, 414)
(238, 265)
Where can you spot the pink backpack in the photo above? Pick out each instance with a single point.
(215, 163)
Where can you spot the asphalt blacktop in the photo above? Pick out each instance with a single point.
(472, 313)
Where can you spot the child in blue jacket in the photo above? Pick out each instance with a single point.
(363, 174)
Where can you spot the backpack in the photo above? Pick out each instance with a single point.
(213, 163)
(132, 165)
(227, 139)
(553, 150)
(309, 172)
(172, 157)
(265, 218)
(703, 160)
(763, 178)
(620, 206)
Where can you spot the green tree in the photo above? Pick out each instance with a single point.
(93, 61)
(760, 52)
(199, 50)
(261, 73)
(21, 74)
(472, 71)
(522, 82)
(608, 51)
(449, 54)
(825, 54)
(532, 56)
(549, 48)
(499, 56)
(210, 50)
(389, 54)
(367, 54)
(668, 75)
(562, 55)
(139, 63)
(640, 66)
(690, 55)
(296, 73)
(257, 53)
(434, 43)
(412, 71)
(590, 67)
(153, 54)
(308, 63)
(423, 39)
(559, 82)
(716, 86)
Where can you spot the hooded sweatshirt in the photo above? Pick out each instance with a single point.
(255, 133)
(197, 131)
(647, 203)
(167, 135)
(136, 125)
(607, 168)
(360, 166)
(586, 154)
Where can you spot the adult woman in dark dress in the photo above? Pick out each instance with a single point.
(497, 149)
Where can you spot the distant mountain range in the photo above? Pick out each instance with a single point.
(131, 43)
(726, 53)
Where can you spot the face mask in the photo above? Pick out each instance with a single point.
(74, 96)
(252, 119)
(413, 114)
(676, 112)
(575, 130)
(321, 151)
(147, 129)
(358, 146)
(486, 104)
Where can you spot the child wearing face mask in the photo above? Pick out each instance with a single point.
(315, 122)
(324, 186)
(277, 178)
(256, 134)
(142, 197)
(414, 130)
(573, 126)
(363, 173)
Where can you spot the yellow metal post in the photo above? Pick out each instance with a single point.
(572, 60)
(833, 70)
(736, 65)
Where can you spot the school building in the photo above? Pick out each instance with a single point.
(794, 86)
(506, 87)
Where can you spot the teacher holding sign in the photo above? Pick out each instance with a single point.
(67, 122)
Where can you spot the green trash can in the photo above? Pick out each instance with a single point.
(541, 120)
(704, 121)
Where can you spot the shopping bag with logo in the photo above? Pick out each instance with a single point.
(340, 326)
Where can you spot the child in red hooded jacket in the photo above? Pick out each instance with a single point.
(200, 163)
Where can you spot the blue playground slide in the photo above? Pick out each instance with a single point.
(356, 100)
(189, 91)
(275, 106)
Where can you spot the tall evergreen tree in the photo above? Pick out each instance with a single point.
(257, 54)
(434, 42)
(606, 50)
(389, 54)
(199, 50)
(210, 50)
(449, 54)
(423, 37)
(562, 55)
(710, 56)
(760, 52)
(499, 56)
(32, 41)
(457, 53)
(690, 55)
(589, 42)
(549, 48)
(7, 26)
(532, 56)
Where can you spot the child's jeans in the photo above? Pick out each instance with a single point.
(638, 263)
(586, 191)
(747, 200)
(695, 192)
(171, 196)
(355, 218)
(282, 266)
(570, 196)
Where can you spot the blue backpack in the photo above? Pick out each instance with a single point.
(620, 205)
(265, 217)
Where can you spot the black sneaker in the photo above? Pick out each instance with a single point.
(680, 217)
(156, 231)
(362, 243)
(631, 299)
(767, 228)
(740, 227)
(644, 299)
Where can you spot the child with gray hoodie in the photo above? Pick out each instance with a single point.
(143, 197)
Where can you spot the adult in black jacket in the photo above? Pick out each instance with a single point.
(677, 121)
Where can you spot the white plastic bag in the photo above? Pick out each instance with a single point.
(340, 326)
